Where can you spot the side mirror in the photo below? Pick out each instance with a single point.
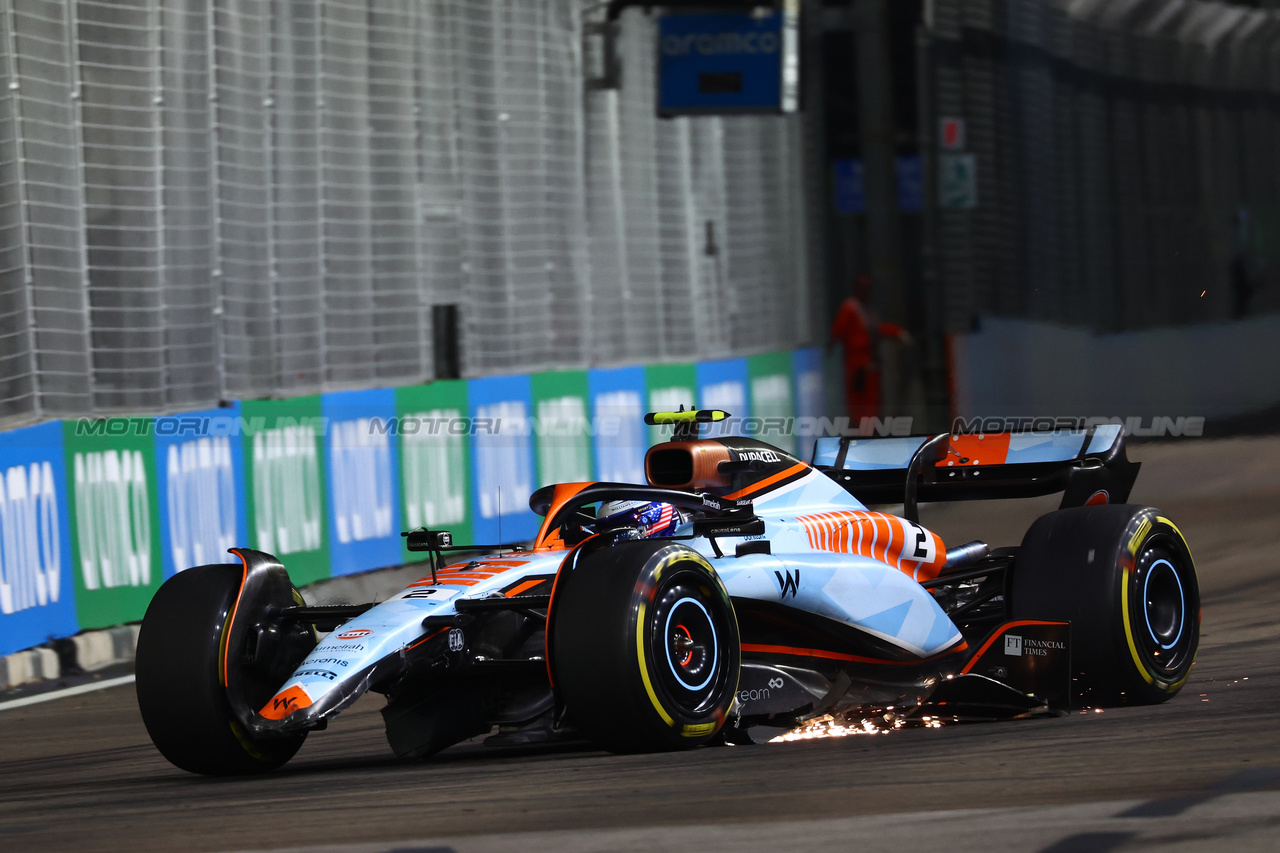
(428, 540)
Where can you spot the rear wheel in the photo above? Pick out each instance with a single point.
(1123, 576)
(644, 647)
(179, 684)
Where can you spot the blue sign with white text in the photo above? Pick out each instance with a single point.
(617, 415)
(810, 393)
(200, 487)
(502, 450)
(731, 62)
(908, 175)
(723, 385)
(37, 595)
(364, 480)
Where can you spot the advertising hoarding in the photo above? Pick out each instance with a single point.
(115, 546)
(434, 436)
(285, 484)
(200, 487)
(362, 459)
(37, 592)
(502, 447)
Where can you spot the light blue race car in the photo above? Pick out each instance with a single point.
(739, 591)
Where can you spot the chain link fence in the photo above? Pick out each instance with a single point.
(204, 200)
(698, 226)
(1126, 161)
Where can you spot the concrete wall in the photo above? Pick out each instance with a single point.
(1017, 368)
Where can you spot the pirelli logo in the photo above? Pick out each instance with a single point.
(1138, 536)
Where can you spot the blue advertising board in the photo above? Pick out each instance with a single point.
(214, 486)
(908, 175)
(617, 418)
(37, 594)
(727, 63)
(810, 394)
(503, 453)
(363, 463)
(200, 487)
(724, 385)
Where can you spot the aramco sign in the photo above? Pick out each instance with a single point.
(729, 62)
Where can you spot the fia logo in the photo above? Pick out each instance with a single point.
(1013, 645)
(788, 583)
(456, 640)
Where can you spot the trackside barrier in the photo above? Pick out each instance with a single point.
(94, 515)
(1156, 377)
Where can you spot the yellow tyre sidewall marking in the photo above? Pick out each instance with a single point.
(1160, 518)
(690, 730)
(1128, 628)
(644, 669)
(1144, 530)
(1163, 520)
(248, 746)
(1139, 536)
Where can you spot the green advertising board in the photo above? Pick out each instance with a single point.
(668, 387)
(285, 493)
(562, 439)
(115, 541)
(773, 405)
(435, 459)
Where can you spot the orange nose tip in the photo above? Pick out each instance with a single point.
(285, 703)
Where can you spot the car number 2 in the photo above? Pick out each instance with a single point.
(919, 544)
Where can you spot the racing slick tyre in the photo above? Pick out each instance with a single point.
(1122, 575)
(180, 692)
(644, 646)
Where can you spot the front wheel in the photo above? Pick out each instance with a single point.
(644, 646)
(1123, 576)
(180, 676)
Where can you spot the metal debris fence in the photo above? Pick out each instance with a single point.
(1126, 159)
(213, 199)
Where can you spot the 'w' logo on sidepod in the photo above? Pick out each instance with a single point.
(788, 583)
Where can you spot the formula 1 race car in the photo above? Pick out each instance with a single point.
(762, 594)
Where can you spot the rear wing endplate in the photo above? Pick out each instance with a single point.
(1088, 466)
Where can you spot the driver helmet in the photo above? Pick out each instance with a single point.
(648, 518)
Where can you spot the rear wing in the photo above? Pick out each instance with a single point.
(1088, 466)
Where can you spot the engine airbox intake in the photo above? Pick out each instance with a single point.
(687, 465)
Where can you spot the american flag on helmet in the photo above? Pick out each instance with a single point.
(651, 518)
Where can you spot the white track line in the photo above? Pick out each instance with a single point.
(70, 691)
